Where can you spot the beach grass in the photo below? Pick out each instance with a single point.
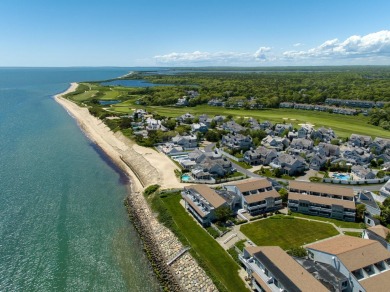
(338, 223)
(287, 232)
(210, 255)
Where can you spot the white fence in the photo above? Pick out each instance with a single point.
(356, 182)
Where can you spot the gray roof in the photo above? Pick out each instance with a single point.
(290, 159)
(326, 274)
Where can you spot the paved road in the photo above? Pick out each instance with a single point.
(249, 173)
(245, 171)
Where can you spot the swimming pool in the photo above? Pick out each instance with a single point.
(185, 177)
(341, 176)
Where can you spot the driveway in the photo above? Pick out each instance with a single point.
(310, 173)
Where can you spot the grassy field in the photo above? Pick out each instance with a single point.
(287, 232)
(338, 223)
(85, 96)
(216, 259)
(344, 126)
(110, 95)
(356, 234)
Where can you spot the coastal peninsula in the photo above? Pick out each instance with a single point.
(145, 167)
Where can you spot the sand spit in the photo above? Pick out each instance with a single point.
(145, 167)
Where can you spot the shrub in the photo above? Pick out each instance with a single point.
(380, 174)
(177, 173)
(233, 253)
(299, 252)
(239, 222)
(151, 189)
(214, 233)
(315, 179)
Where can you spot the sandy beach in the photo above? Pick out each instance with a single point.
(144, 166)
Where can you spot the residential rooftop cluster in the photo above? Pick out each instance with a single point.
(291, 151)
(341, 263)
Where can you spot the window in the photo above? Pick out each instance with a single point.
(380, 266)
(369, 270)
(276, 282)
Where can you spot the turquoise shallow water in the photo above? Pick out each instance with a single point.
(63, 226)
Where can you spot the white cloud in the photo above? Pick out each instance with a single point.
(371, 45)
(373, 48)
(199, 57)
(260, 54)
(227, 58)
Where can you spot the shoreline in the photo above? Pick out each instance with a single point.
(144, 167)
(86, 123)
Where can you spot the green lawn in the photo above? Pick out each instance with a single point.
(268, 172)
(338, 223)
(343, 125)
(110, 95)
(356, 234)
(235, 174)
(126, 103)
(243, 164)
(287, 232)
(84, 96)
(216, 259)
(124, 110)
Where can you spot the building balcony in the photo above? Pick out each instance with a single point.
(251, 208)
(201, 220)
(260, 277)
(346, 213)
(315, 208)
(293, 204)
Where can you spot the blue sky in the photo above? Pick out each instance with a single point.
(194, 33)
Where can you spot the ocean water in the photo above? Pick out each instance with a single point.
(63, 226)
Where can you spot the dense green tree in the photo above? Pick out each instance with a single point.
(380, 174)
(283, 194)
(360, 209)
(170, 123)
(212, 136)
(278, 172)
(223, 213)
(299, 252)
(386, 202)
(125, 123)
